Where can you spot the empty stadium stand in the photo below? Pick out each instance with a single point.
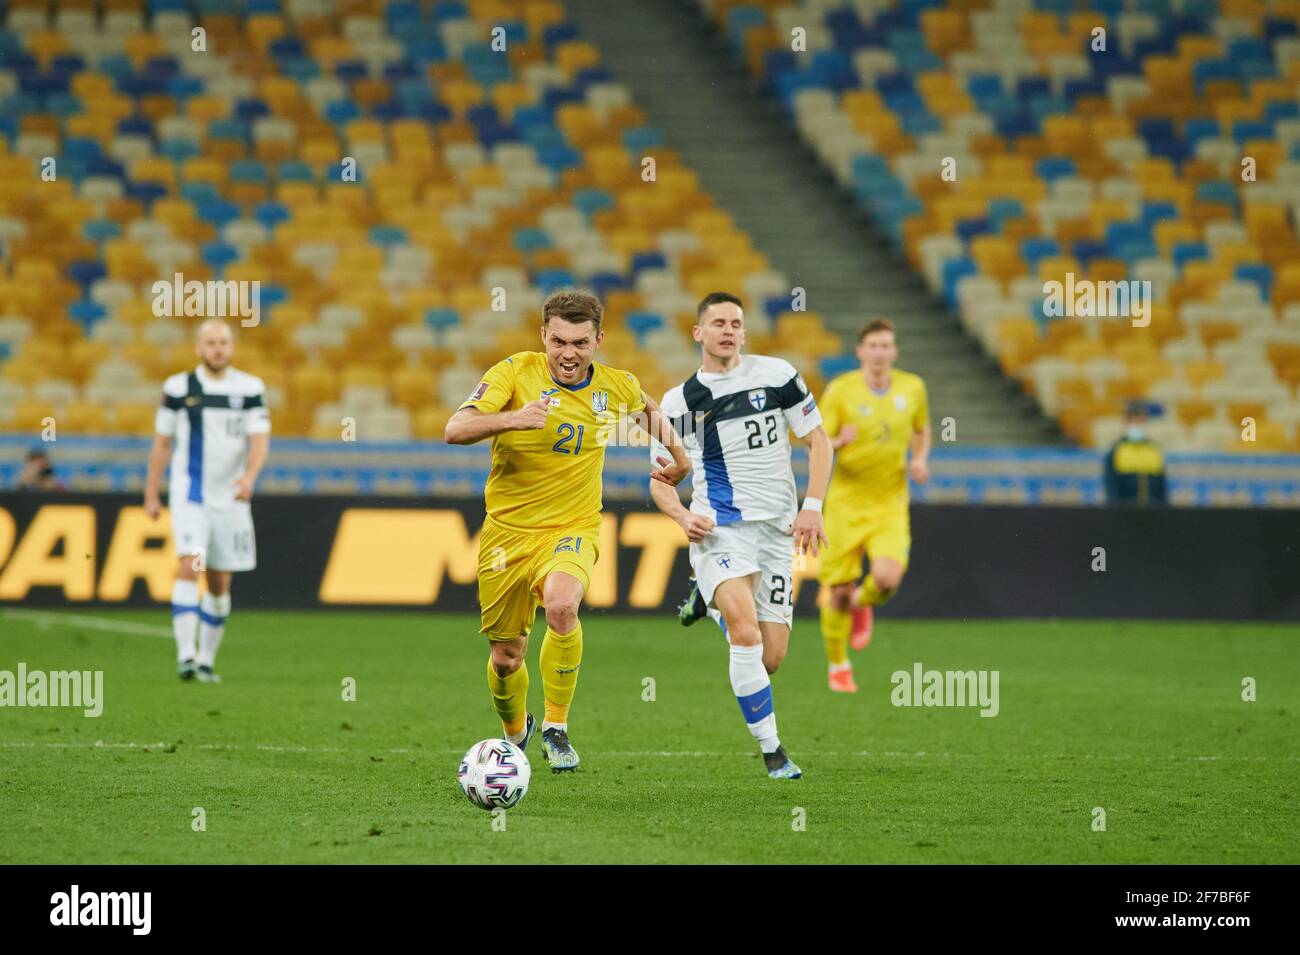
(405, 194)
(1115, 163)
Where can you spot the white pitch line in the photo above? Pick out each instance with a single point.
(618, 754)
(45, 619)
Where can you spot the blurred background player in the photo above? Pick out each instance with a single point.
(216, 416)
(548, 414)
(735, 413)
(1135, 465)
(875, 416)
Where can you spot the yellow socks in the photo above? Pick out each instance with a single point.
(836, 625)
(510, 697)
(870, 595)
(561, 657)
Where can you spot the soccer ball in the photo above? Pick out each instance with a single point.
(494, 774)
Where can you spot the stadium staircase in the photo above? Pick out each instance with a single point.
(750, 159)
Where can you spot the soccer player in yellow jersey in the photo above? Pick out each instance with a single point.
(875, 416)
(549, 415)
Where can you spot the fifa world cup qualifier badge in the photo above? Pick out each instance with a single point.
(553, 394)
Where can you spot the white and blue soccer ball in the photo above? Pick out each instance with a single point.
(494, 774)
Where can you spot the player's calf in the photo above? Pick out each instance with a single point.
(560, 660)
(185, 617)
(507, 677)
(837, 623)
(880, 584)
(750, 681)
(214, 608)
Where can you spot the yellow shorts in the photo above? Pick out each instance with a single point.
(513, 566)
(852, 533)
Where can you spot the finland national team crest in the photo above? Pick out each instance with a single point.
(725, 561)
(236, 402)
(599, 401)
(758, 398)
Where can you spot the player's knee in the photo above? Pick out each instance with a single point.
(562, 616)
(742, 632)
(772, 660)
(887, 577)
(218, 584)
(186, 570)
(506, 658)
(841, 597)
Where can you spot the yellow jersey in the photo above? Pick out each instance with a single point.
(871, 469)
(551, 477)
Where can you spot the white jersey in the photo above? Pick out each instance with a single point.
(735, 427)
(211, 419)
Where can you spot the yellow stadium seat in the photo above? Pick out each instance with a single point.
(82, 417)
(313, 384)
(431, 422)
(142, 47)
(1169, 232)
(133, 418)
(414, 387)
(1196, 409)
(574, 55)
(364, 376)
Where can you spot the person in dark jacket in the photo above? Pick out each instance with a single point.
(1135, 465)
(37, 473)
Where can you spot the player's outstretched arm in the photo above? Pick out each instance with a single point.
(808, 530)
(469, 425)
(695, 526)
(158, 456)
(669, 473)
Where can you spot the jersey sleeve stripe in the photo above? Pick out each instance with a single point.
(791, 393)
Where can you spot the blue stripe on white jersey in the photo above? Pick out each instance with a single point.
(735, 425)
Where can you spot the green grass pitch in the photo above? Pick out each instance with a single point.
(1145, 720)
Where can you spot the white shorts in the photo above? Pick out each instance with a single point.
(761, 548)
(223, 534)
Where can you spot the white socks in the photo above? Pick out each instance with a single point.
(185, 618)
(212, 615)
(753, 689)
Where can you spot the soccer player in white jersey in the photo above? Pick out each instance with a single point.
(217, 418)
(735, 414)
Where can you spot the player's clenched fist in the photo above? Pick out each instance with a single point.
(696, 526)
(532, 416)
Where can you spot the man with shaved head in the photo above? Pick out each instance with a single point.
(214, 426)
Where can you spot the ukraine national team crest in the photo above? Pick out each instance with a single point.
(758, 398)
(236, 402)
(599, 402)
